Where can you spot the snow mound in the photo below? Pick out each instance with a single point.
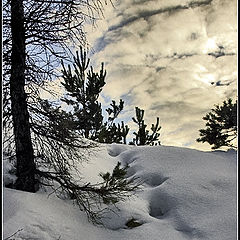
(193, 191)
(186, 194)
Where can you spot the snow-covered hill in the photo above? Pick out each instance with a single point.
(187, 194)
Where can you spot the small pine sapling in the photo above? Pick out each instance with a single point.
(143, 137)
(110, 131)
(83, 89)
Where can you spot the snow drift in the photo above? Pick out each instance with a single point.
(186, 194)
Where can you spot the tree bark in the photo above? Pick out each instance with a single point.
(21, 125)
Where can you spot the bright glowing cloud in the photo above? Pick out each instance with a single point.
(175, 59)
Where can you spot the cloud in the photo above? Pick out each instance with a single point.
(175, 59)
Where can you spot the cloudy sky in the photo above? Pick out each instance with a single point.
(174, 58)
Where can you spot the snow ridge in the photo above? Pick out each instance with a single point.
(186, 194)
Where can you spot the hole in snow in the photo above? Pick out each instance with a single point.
(132, 223)
(156, 212)
(154, 179)
(160, 203)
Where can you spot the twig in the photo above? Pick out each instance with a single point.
(13, 234)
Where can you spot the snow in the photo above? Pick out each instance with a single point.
(8, 165)
(186, 194)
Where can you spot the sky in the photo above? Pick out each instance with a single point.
(175, 59)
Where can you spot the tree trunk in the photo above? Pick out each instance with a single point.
(24, 149)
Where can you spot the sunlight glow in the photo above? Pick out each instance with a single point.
(210, 45)
(207, 78)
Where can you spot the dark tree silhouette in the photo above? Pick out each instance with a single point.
(221, 126)
(83, 87)
(36, 36)
(142, 136)
(24, 149)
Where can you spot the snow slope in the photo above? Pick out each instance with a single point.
(187, 194)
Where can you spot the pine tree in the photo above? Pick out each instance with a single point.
(143, 137)
(19, 111)
(83, 87)
(36, 34)
(110, 131)
(59, 150)
(221, 126)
